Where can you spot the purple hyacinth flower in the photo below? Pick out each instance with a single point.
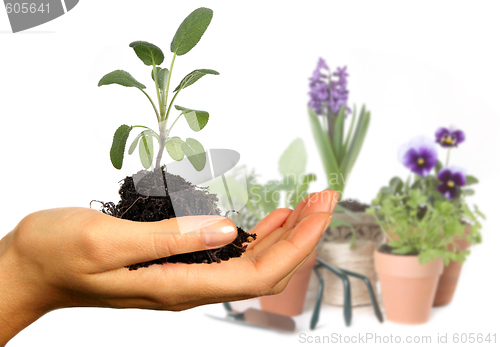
(451, 178)
(419, 155)
(449, 137)
(328, 90)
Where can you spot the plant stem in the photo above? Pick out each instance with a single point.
(160, 103)
(160, 150)
(448, 157)
(152, 103)
(172, 102)
(168, 85)
(168, 132)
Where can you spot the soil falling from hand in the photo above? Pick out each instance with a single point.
(153, 199)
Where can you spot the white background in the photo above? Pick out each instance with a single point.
(416, 65)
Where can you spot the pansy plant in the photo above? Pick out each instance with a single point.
(441, 190)
(187, 36)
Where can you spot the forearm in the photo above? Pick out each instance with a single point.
(18, 306)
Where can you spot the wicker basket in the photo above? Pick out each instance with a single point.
(334, 249)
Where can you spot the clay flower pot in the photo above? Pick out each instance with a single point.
(449, 278)
(290, 301)
(408, 288)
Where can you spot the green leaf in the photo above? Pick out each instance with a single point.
(395, 185)
(122, 78)
(195, 153)
(325, 149)
(356, 142)
(146, 151)
(118, 147)
(349, 133)
(193, 77)
(196, 119)
(133, 145)
(293, 160)
(469, 180)
(162, 75)
(148, 53)
(191, 30)
(174, 148)
(338, 136)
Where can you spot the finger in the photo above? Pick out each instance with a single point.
(324, 201)
(269, 225)
(173, 284)
(117, 242)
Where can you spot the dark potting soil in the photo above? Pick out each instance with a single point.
(147, 205)
(385, 248)
(354, 205)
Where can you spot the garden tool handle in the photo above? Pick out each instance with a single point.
(347, 289)
(373, 299)
(317, 305)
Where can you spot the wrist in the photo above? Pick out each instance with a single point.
(19, 301)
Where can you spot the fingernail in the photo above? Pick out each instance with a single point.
(334, 201)
(327, 224)
(218, 233)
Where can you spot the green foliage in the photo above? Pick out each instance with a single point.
(146, 151)
(339, 151)
(162, 75)
(191, 30)
(174, 148)
(186, 37)
(420, 220)
(195, 153)
(122, 78)
(148, 53)
(196, 119)
(193, 77)
(118, 146)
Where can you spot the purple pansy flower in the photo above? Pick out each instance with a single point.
(325, 90)
(419, 155)
(449, 137)
(451, 178)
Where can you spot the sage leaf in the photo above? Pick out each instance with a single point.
(195, 153)
(146, 151)
(162, 75)
(118, 146)
(196, 119)
(174, 148)
(193, 77)
(134, 143)
(147, 52)
(191, 30)
(122, 78)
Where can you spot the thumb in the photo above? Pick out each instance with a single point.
(136, 242)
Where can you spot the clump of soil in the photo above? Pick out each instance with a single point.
(152, 199)
(354, 205)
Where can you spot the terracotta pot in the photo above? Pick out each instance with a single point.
(290, 301)
(408, 288)
(449, 278)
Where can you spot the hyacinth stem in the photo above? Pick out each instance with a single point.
(448, 157)
(331, 125)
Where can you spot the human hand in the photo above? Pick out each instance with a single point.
(76, 257)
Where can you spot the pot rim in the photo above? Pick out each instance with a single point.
(406, 266)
